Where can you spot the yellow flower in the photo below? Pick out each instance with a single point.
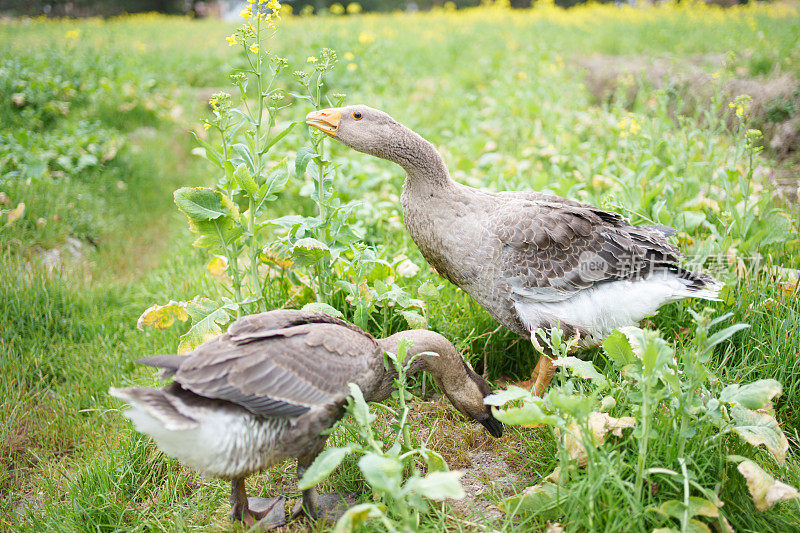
(366, 38)
(336, 9)
(254, 48)
(206, 125)
(352, 66)
(349, 56)
(73, 35)
(353, 8)
(274, 5)
(246, 13)
(311, 59)
(740, 110)
(231, 40)
(715, 75)
(251, 1)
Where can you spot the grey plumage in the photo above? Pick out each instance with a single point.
(268, 389)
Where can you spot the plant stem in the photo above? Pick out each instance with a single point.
(233, 268)
(640, 461)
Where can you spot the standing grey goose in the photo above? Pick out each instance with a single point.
(266, 390)
(532, 260)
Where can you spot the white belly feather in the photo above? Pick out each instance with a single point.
(224, 443)
(599, 310)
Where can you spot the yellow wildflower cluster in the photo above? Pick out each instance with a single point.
(628, 126)
(72, 35)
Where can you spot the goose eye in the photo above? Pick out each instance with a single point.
(357, 115)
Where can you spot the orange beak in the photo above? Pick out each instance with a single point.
(325, 120)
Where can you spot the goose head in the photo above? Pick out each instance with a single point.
(461, 385)
(366, 130)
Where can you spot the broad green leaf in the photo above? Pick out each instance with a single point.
(202, 203)
(163, 316)
(245, 179)
(274, 182)
(415, 320)
(244, 151)
(207, 317)
(357, 515)
(429, 291)
(697, 507)
(359, 407)
(581, 368)
(383, 473)
(307, 251)
(504, 396)
(759, 428)
(323, 465)
(754, 395)
(619, 349)
(765, 490)
(321, 307)
(529, 414)
(304, 157)
(434, 461)
(542, 500)
(438, 485)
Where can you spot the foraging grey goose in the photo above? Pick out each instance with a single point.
(532, 260)
(266, 390)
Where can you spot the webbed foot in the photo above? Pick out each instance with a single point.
(330, 506)
(266, 513)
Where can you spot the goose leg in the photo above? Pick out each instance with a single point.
(542, 374)
(330, 506)
(259, 513)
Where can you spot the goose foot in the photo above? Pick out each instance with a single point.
(330, 506)
(260, 514)
(268, 513)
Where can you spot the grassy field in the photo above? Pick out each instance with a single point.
(96, 116)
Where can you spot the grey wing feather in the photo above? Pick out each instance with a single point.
(552, 247)
(279, 370)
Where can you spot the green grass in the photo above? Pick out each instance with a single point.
(497, 91)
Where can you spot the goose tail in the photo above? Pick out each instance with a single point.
(153, 411)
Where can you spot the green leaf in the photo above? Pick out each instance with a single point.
(383, 473)
(504, 396)
(304, 157)
(279, 136)
(358, 407)
(201, 203)
(542, 500)
(323, 465)
(207, 317)
(357, 515)
(754, 395)
(697, 507)
(245, 180)
(438, 485)
(759, 428)
(581, 368)
(321, 307)
(528, 415)
(208, 152)
(307, 251)
(619, 349)
(415, 320)
(429, 291)
(434, 461)
(244, 151)
(724, 334)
